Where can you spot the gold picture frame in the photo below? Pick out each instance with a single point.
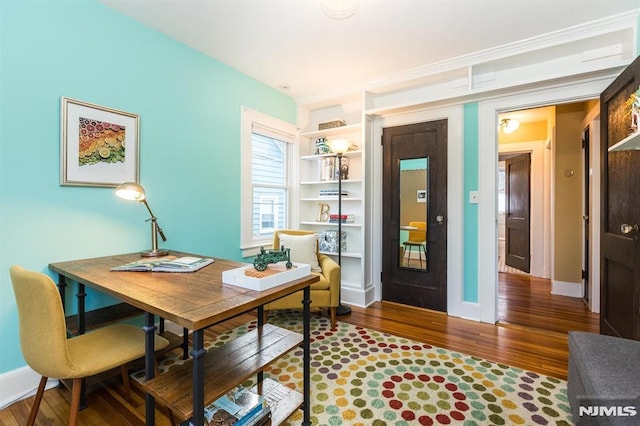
(99, 146)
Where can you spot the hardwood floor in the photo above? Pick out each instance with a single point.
(531, 334)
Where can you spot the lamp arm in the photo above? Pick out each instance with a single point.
(149, 209)
(161, 233)
(154, 219)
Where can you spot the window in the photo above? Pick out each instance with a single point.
(267, 145)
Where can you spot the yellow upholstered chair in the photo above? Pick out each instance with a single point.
(326, 292)
(417, 238)
(48, 351)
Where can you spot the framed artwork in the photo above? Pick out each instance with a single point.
(99, 146)
(421, 196)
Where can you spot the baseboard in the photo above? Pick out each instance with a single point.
(564, 288)
(358, 297)
(16, 385)
(465, 310)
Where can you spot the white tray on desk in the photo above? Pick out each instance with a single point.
(275, 275)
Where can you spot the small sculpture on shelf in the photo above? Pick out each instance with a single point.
(265, 257)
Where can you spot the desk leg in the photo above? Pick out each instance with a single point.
(198, 353)
(81, 296)
(260, 376)
(62, 287)
(306, 357)
(149, 364)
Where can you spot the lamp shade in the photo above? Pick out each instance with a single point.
(339, 146)
(131, 191)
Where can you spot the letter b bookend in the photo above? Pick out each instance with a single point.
(323, 214)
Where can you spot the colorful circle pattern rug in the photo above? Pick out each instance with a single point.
(364, 377)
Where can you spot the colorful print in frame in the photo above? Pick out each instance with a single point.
(99, 146)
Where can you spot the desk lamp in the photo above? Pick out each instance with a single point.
(339, 147)
(133, 191)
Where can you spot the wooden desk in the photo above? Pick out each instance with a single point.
(192, 300)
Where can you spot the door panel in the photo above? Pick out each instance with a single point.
(620, 249)
(518, 212)
(414, 235)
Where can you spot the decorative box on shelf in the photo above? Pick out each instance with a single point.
(275, 275)
(328, 241)
(331, 124)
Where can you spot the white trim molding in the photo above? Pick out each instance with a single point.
(18, 384)
(564, 288)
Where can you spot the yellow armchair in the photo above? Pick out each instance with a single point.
(324, 294)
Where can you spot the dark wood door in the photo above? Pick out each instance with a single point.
(620, 247)
(518, 212)
(415, 210)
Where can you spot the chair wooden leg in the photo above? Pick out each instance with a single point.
(36, 402)
(332, 313)
(126, 382)
(75, 401)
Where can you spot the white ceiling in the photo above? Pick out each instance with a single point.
(292, 43)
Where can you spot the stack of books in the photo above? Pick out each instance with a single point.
(345, 218)
(239, 407)
(332, 193)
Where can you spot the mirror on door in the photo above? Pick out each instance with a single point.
(414, 202)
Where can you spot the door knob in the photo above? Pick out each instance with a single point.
(628, 229)
(440, 219)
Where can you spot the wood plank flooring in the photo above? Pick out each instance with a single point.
(531, 334)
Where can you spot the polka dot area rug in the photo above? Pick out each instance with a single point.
(364, 377)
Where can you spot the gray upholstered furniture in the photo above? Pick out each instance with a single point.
(604, 372)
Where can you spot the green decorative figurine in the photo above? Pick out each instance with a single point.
(265, 257)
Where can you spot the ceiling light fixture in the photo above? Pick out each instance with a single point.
(509, 125)
(339, 9)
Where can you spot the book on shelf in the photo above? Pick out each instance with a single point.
(329, 169)
(239, 407)
(166, 264)
(259, 418)
(345, 218)
(332, 193)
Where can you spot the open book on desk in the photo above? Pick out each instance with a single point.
(166, 264)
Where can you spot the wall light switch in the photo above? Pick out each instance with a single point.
(474, 197)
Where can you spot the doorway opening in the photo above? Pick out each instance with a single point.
(514, 212)
(552, 137)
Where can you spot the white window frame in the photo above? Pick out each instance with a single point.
(252, 120)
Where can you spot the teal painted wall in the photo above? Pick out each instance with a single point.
(470, 252)
(189, 107)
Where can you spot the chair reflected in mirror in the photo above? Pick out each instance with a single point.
(417, 239)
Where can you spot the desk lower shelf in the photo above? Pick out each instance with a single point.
(225, 367)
